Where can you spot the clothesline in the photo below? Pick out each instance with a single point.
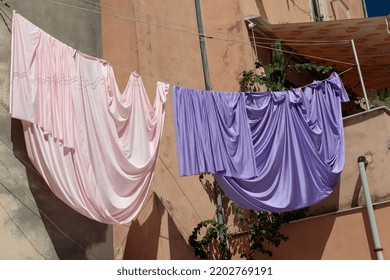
(306, 55)
(242, 42)
(140, 73)
(179, 84)
(254, 45)
(162, 24)
(322, 42)
(103, 7)
(145, 77)
(315, 43)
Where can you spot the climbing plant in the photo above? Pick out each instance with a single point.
(213, 232)
(204, 246)
(380, 97)
(259, 230)
(274, 75)
(263, 228)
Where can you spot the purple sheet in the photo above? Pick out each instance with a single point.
(212, 133)
(298, 143)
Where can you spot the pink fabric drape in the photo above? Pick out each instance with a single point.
(95, 147)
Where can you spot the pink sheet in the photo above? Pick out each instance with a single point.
(95, 147)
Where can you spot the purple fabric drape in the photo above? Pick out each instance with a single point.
(298, 143)
(212, 133)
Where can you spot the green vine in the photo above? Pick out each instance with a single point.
(203, 247)
(274, 76)
(274, 73)
(320, 71)
(258, 230)
(264, 228)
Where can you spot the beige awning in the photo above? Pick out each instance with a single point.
(371, 37)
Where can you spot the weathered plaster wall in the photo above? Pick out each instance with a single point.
(338, 11)
(34, 224)
(341, 236)
(280, 11)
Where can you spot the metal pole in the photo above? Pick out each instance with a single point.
(360, 74)
(202, 42)
(370, 209)
(207, 81)
(364, 8)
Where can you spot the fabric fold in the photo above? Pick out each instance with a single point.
(96, 147)
(298, 144)
(212, 133)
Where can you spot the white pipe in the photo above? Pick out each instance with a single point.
(370, 209)
(360, 74)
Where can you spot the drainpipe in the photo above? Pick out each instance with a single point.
(370, 209)
(202, 42)
(207, 81)
(360, 74)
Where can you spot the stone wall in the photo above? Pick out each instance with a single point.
(34, 224)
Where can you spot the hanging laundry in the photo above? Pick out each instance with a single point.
(212, 133)
(95, 147)
(298, 144)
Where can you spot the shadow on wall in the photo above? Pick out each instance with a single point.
(327, 205)
(74, 236)
(357, 193)
(307, 240)
(154, 235)
(260, 7)
(179, 249)
(352, 238)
